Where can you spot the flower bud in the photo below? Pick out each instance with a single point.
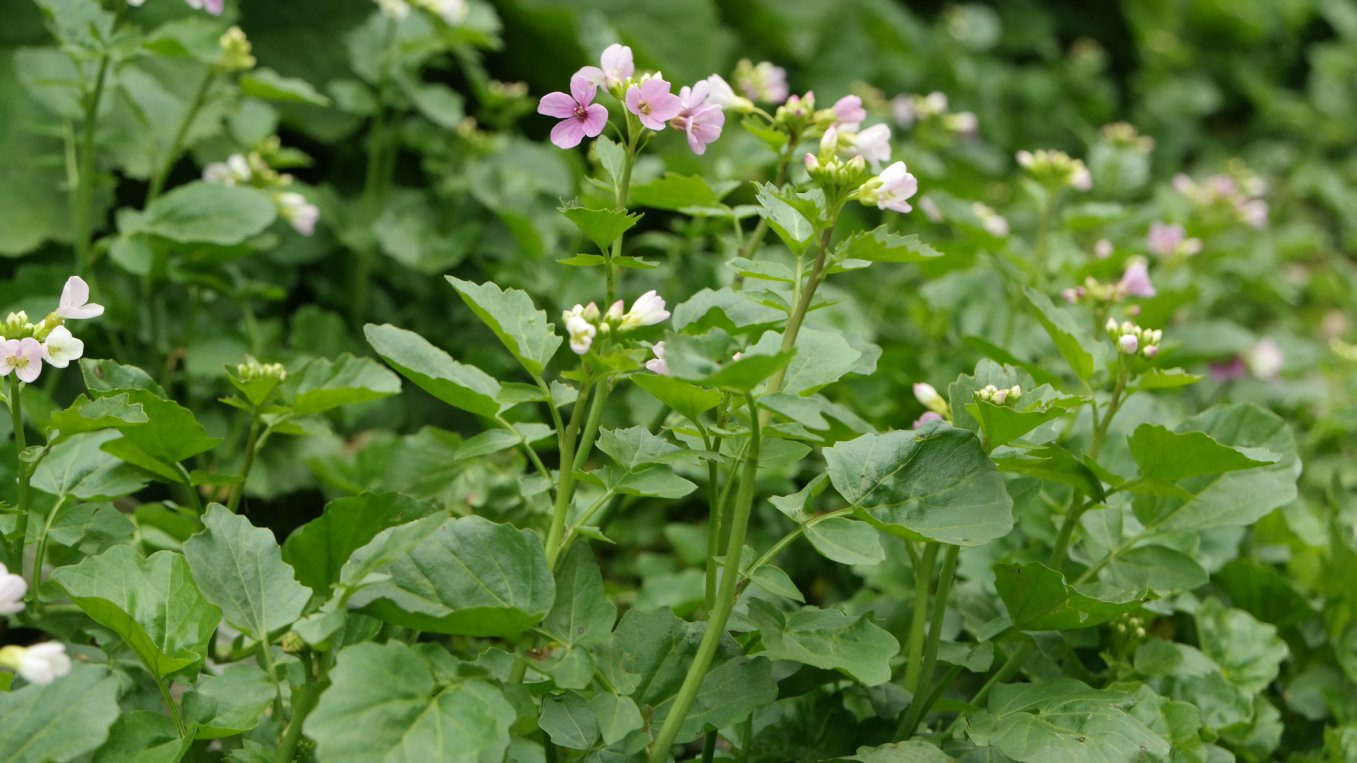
(1128, 344)
(929, 398)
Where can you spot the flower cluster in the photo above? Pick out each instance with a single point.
(992, 394)
(1135, 282)
(235, 52)
(909, 109)
(214, 7)
(762, 82)
(1056, 169)
(1125, 135)
(39, 664)
(252, 369)
(253, 169)
(584, 323)
(452, 12)
(1170, 240)
(697, 111)
(1237, 193)
(1131, 339)
(12, 590)
(26, 344)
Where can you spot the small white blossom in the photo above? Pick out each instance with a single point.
(298, 212)
(60, 348)
(44, 663)
(874, 144)
(75, 300)
(581, 334)
(647, 310)
(12, 590)
(657, 365)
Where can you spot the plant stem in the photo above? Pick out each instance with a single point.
(621, 193)
(83, 214)
(269, 665)
(251, 444)
(301, 707)
(374, 186)
(1039, 247)
(41, 554)
(16, 412)
(919, 705)
(170, 704)
(725, 602)
(565, 488)
(1062, 541)
(177, 145)
(709, 747)
(923, 581)
(586, 443)
(1113, 405)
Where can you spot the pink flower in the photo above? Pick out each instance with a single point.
(873, 144)
(618, 66)
(1164, 239)
(1254, 213)
(702, 121)
(580, 116)
(848, 112)
(1128, 343)
(762, 81)
(657, 365)
(653, 103)
(1229, 370)
(891, 189)
(926, 418)
(75, 301)
(1136, 280)
(23, 357)
(213, 7)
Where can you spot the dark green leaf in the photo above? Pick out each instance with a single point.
(881, 245)
(61, 721)
(204, 213)
(1039, 599)
(434, 371)
(319, 549)
(602, 226)
(826, 638)
(515, 320)
(846, 541)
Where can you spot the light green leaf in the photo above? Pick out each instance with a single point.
(689, 400)
(1249, 652)
(1039, 599)
(1158, 568)
(935, 484)
(323, 384)
(726, 309)
(171, 435)
(1167, 456)
(61, 721)
(1170, 378)
(319, 549)
(269, 85)
(151, 603)
(569, 721)
(204, 213)
(434, 371)
(822, 357)
(469, 577)
(228, 704)
(240, 568)
(582, 614)
(143, 736)
(1062, 721)
(514, 319)
(79, 468)
(636, 446)
(602, 226)
(913, 751)
(826, 638)
(612, 156)
(1070, 339)
(675, 193)
(389, 702)
(881, 245)
(787, 222)
(846, 541)
(708, 360)
(86, 415)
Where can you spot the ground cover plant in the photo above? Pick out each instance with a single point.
(453, 380)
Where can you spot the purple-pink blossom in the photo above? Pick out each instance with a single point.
(22, 357)
(893, 188)
(700, 120)
(653, 102)
(926, 418)
(1135, 281)
(580, 116)
(848, 112)
(617, 67)
(214, 7)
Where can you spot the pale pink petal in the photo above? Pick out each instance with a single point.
(559, 105)
(591, 73)
(617, 60)
(595, 119)
(583, 90)
(567, 133)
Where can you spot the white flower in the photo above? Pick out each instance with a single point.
(12, 590)
(647, 310)
(722, 94)
(891, 189)
(23, 357)
(657, 365)
(234, 171)
(61, 348)
(44, 663)
(874, 144)
(453, 12)
(581, 334)
(1265, 359)
(298, 212)
(929, 398)
(75, 300)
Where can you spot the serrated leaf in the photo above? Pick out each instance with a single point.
(582, 614)
(602, 226)
(323, 384)
(61, 721)
(689, 400)
(434, 371)
(1071, 340)
(78, 467)
(86, 415)
(240, 568)
(228, 704)
(518, 323)
(786, 220)
(826, 638)
(1039, 599)
(935, 484)
(881, 245)
(1167, 456)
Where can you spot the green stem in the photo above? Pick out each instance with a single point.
(16, 412)
(798, 315)
(1113, 405)
(586, 443)
(565, 488)
(195, 500)
(1062, 541)
(923, 581)
(709, 747)
(787, 539)
(83, 214)
(621, 193)
(713, 513)
(527, 447)
(41, 554)
(251, 444)
(1040, 246)
(267, 655)
(171, 705)
(301, 707)
(177, 145)
(725, 602)
(751, 244)
(919, 705)
(374, 185)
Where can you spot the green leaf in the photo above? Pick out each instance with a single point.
(1071, 340)
(469, 577)
(822, 357)
(323, 384)
(1062, 721)
(617, 716)
(913, 751)
(1039, 599)
(846, 541)
(1055, 464)
(726, 309)
(61, 721)
(151, 603)
(935, 484)
(636, 446)
(1249, 652)
(86, 415)
(389, 702)
(826, 638)
(240, 568)
(228, 704)
(602, 226)
(1002, 424)
(569, 721)
(496, 440)
(107, 377)
(675, 193)
(77, 467)
(143, 736)
(434, 371)
(1160, 569)
(881, 245)
(515, 320)
(1170, 378)
(787, 222)
(319, 549)
(612, 156)
(1166, 456)
(269, 85)
(689, 400)
(707, 361)
(204, 213)
(582, 614)
(171, 435)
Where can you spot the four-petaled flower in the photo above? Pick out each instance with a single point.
(653, 103)
(848, 112)
(75, 300)
(700, 120)
(60, 348)
(580, 116)
(874, 144)
(1135, 281)
(12, 590)
(617, 68)
(891, 189)
(22, 357)
(44, 663)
